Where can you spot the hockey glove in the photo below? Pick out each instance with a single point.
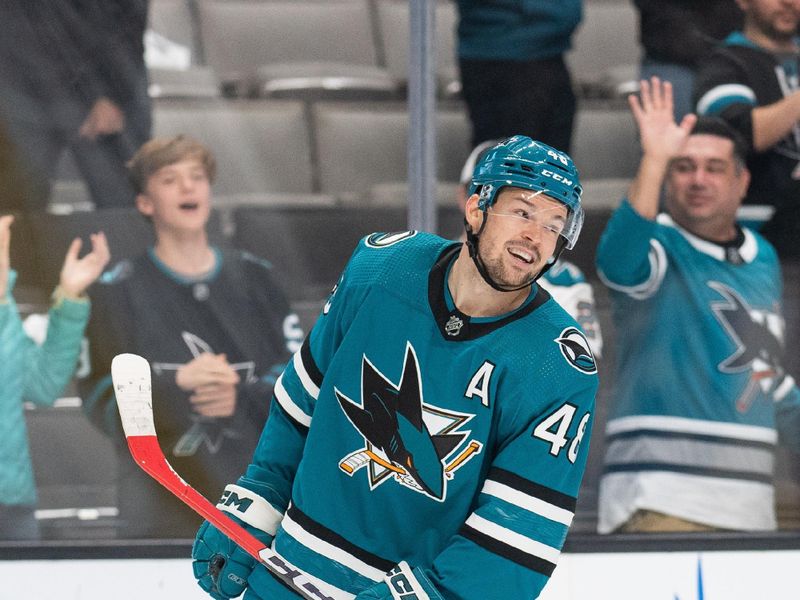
(220, 566)
(402, 582)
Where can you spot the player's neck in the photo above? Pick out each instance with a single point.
(188, 255)
(476, 298)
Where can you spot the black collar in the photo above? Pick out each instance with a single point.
(454, 325)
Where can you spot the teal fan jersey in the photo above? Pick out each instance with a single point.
(404, 430)
(700, 394)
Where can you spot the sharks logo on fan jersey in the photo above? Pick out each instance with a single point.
(757, 336)
(405, 438)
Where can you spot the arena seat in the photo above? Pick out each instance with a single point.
(605, 143)
(260, 146)
(172, 24)
(75, 468)
(363, 144)
(606, 50)
(309, 246)
(128, 233)
(393, 26)
(298, 44)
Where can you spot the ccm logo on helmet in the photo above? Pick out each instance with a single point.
(557, 177)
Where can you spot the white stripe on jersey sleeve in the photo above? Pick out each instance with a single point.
(330, 551)
(514, 539)
(658, 268)
(287, 404)
(753, 433)
(727, 90)
(529, 503)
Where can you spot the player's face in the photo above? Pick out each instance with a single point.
(705, 186)
(178, 196)
(775, 19)
(521, 233)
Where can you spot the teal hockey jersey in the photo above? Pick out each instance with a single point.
(404, 430)
(700, 393)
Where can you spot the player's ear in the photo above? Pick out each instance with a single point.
(472, 213)
(144, 205)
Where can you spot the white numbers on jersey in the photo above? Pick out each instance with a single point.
(553, 429)
(479, 385)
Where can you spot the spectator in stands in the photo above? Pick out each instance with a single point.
(514, 78)
(36, 373)
(676, 35)
(751, 81)
(72, 76)
(564, 281)
(214, 325)
(701, 394)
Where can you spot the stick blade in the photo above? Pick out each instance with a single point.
(132, 387)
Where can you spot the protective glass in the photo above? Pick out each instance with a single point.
(550, 221)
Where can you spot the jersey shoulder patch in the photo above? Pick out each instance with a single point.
(383, 240)
(576, 351)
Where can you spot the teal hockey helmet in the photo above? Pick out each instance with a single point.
(522, 162)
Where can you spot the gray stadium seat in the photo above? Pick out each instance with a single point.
(260, 146)
(360, 145)
(606, 51)
(395, 193)
(604, 192)
(173, 22)
(75, 468)
(239, 36)
(128, 233)
(393, 21)
(605, 143)
(309, 247)
(195, 82)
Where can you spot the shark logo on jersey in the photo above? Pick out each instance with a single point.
(405, 438)
(575, 349)
(757, 336)
(204, 432)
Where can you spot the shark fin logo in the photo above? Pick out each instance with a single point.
(757, 335)
(406, 440)
(575, 349)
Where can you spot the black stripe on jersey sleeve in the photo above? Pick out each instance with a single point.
(693, 437)
(334, 539)
(309, 364)
(530, 488)
(275, 405)
(495, 546)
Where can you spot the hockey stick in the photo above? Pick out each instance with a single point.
(131, 376)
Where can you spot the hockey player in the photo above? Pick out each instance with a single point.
(213, 323)
(564, 281)
(701, 395)
(429, 438)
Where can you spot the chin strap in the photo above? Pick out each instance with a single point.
(472, 246)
